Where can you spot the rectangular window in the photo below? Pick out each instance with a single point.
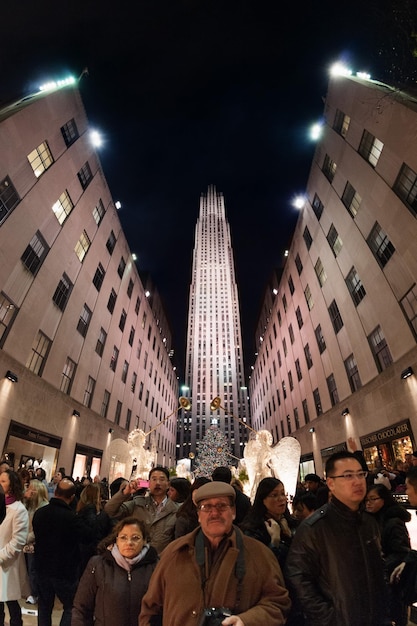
(380, 245)
(118, 413)
(380, 350)
(131, 336)
(353, 373)
(89, 392)
(62, 207)
(39, 353)
(408, 303)
(351, 199)
(122, 321)
(99, 277)
(128, 419)
(284, 302)
(335, 316)
(307, 238)
(147, 398)
(114, 357)
(137, 305)
(320, 339)
(309, 297)
(320, 272)
(291, 333)
(101, 342)
(70, 132)
(406, 188)
(354, 284)
(341, 123)
(284, 346)
(307, 355)
(133, 383)
(331, 385)
(98, 212)
(334, 240)
(85, 176)
(284, 390)
(9, 198)
(35, 253)
(296, 419)
(298, 264)
(318, 206)
(82, 246)
(62, 292)
(40, 159)
(84, 321)
(305, 411)
(121, 267)
(124, 371)
(317, 402)
(144, 320)
(370, 148)
(130, 288)
(105, 404)
(139, 349)
(291, 285)
(140, 391)
(8, 312)
(111, 242)
(112, 301)
(298, 369)
(299, 317)
(329, 168)
(290, 381)
(68, 374)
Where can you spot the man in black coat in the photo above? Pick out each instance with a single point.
(243, 505)
(334, 566)
(58, 532)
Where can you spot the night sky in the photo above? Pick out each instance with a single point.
(191, 93)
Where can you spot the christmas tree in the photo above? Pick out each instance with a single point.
(213, 451)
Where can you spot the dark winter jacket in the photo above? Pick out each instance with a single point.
(101, 526)
(108, 595)
(395, 540)
(335, 568)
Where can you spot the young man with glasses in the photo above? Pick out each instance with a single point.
(216, 567)
(334, 565)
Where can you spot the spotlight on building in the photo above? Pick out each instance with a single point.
(345, 412)
(11, 376)
(407, 373)
(76, 413)
(312, 430)
(111, 430)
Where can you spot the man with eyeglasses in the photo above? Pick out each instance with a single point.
(334, 565)
(216, 570)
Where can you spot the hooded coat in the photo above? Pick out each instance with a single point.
(107, 594)
(176, 588)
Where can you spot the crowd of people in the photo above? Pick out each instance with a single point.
(200, 554)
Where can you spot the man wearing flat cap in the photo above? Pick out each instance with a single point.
(216, 567)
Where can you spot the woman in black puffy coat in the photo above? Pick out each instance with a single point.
(395, 542)
(111, 589)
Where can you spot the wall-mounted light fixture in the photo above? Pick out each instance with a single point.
(406, 373)
(76, 413)
(111, 430)
(312, 430)
(345, 412)
(11, 376)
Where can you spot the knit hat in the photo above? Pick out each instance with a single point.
(215, 489)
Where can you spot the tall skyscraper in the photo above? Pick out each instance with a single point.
(214, 359)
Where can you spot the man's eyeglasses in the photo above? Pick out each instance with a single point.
(133, 539)
(209, 508)
(351, 475)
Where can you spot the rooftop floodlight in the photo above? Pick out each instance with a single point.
(111, 430)
(76, 413)
(407, 373)
(345, 412)
(12, 377)
(312, 430)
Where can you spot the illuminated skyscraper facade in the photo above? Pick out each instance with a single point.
(214, 359)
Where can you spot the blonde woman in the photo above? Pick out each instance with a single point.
(89, 507)
(36, 496)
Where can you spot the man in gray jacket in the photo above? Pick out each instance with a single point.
(334, 566)
(155, 509)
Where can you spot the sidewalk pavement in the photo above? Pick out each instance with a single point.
(30, 614)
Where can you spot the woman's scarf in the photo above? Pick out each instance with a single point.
(10, 499)
(126, 563)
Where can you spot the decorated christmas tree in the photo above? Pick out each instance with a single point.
(212, 451)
